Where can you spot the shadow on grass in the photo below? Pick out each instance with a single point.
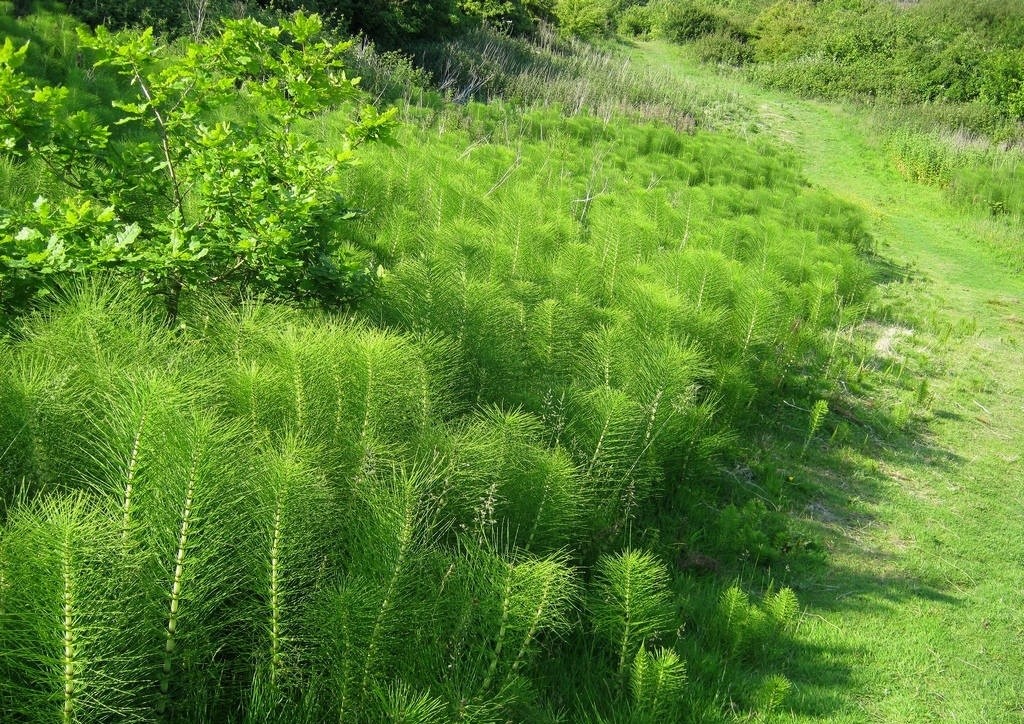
(887, 271)
(813, 502)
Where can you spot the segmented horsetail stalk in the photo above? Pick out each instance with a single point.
(506, 596)
(559, 514)
(125, 443)
(276, 657)
(629, 601)
(69, 629)
(385, 598)
(191, 525)
(772, 693)
(297, 525)
(404, 518)
(538, 597)
(606, 430)
(131, 468)
(65, 651)
(656, 681)
(390, 532)
(298, 384)
(177, 582)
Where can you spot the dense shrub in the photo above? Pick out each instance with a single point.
(636, 20)
(214, 184)
(165, 15)
(683, 21)
(389, 22)
(930, 51)
(583, 18)
(781, 29)
(723, 48)
(1002, 82)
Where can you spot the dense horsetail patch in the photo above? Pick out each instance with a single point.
(441, 505)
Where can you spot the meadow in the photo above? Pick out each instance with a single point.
(504, 403)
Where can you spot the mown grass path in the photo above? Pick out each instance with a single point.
(939, 638)
(920, 614)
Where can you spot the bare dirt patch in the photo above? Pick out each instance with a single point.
(887, 340)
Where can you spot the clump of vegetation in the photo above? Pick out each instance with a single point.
(684, 21)
(460, 499)
(188, 184)
(584, 18)
(938, 51)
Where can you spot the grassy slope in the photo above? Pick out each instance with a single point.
(921, 615)
(916, 617)
(547, 229)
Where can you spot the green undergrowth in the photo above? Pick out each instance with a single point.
(268, 515)
(529, 239)
(544, 69)
(492, 493)
(520, 481)
(974, 173)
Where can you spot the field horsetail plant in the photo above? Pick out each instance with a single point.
(463, 498)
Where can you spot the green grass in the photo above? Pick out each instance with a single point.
(917, 615)
(619, 392)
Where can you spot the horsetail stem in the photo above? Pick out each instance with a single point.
(404, 543)
(170, 637)
(68, 659)
(496, 653)
(300, 398)
(130, 470)
(275, 593)
(534, 625)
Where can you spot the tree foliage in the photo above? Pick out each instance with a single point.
(202, 177)
(388, 22)
(583, 18)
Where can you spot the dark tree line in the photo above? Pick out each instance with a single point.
(389, 22)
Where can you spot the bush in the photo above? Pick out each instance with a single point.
(782, 29)
(943, 50)
(164, 15)
(391, 23)
(723, 48)
(213, 185)
(583, 18)
(683, 22)
(1002, 84)
(388, 22)
(517, 16)
(636, 20)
